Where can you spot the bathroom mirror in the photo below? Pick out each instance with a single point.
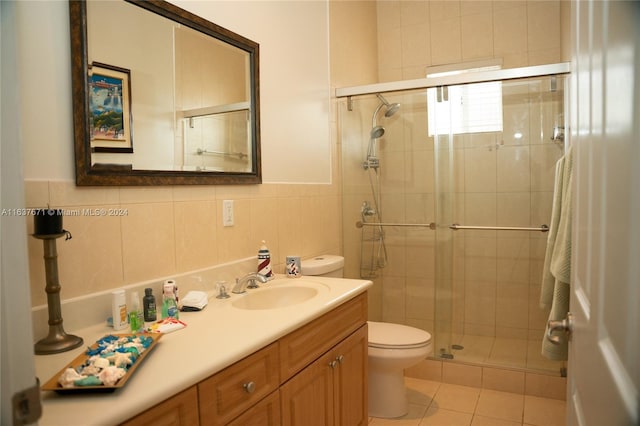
(162, 96)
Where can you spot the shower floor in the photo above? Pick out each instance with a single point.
(503, 352)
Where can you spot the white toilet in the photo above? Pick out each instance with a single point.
(328, 265)
(392, 348)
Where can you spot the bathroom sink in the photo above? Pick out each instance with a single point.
(274, 297)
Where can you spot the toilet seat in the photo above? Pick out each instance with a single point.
(396, 336)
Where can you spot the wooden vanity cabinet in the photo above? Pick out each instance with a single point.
(179, 410)
(264, 413)
(332, 390)
(351, 386)
(229, 393)
(315, 375)
(323, 367)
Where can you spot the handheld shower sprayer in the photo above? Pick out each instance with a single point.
(377, 132)
(377, 251)
(372, 155)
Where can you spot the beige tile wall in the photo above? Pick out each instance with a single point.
(167, 230)
(413, 35)
(495, 276)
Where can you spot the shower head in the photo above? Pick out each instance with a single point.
(391, 108)
(377, 132)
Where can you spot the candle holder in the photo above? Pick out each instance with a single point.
(57, 340)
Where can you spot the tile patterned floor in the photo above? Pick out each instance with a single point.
(442, 404)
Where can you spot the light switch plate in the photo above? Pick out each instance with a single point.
(227, 213)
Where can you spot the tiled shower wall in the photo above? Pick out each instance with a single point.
(413, 35)
(496, 275)
(498, 181)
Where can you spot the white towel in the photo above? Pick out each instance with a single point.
(548, 280)
(561, 259)
(555, 291)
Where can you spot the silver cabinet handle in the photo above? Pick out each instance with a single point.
(333, 364)
(340, 358)
(249, 387)
(565, 325)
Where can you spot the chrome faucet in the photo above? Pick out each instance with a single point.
(250, 279)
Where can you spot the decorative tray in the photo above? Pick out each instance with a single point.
(105, 366)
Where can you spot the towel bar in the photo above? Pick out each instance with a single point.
(431, 225)
(542, 228)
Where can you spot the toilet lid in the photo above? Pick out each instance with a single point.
(387, 335)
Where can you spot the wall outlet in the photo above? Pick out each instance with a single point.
(227, 213)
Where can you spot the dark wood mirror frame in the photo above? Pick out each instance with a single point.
(121, 175)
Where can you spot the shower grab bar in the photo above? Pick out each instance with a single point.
(542, 228)
(431, 225)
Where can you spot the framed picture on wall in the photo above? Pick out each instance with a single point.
(110, 118)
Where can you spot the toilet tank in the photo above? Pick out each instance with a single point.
(323, 266)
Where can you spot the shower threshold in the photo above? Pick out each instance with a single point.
(448, 355)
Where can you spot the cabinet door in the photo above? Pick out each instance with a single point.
(264, 413)
(307, 399)
(350, 380)
(331, 391)
(179, 410)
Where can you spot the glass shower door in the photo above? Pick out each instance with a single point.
(455, 115)
(439, 112)
(444, 204)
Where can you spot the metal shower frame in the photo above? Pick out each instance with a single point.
(451, 80)
(563, 68)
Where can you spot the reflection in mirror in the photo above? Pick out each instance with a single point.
(192, 91)
(216, 141)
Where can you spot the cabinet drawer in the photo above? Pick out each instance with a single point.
(225, 395)
(181, 409)
(301, 347)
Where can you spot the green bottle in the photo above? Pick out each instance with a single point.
(136, 320)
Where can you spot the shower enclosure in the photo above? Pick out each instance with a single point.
(447, 192)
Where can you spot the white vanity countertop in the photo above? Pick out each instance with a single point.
(214, 338)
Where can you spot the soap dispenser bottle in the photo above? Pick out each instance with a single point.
(264, 261)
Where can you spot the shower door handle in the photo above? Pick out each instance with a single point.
(565, 325)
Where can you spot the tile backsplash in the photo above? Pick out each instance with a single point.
(126, 235)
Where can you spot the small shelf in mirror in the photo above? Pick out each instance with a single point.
(213, 110)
